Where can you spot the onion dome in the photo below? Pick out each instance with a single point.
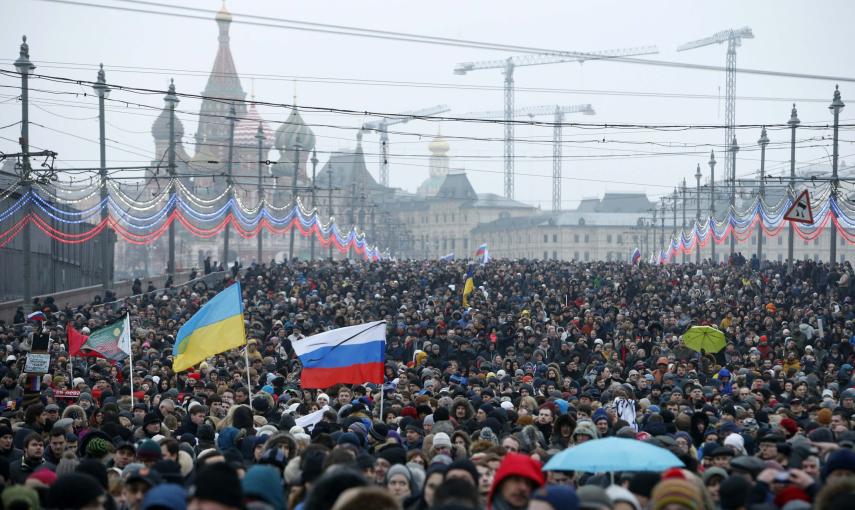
(246, 130)
(294, 129)
(160, 127)
(439, 147)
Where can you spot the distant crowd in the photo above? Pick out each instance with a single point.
(476, 401)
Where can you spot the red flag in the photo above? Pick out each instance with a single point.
(76, 339)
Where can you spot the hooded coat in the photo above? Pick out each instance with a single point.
(514, 464)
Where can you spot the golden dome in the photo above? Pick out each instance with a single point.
(223, 14)
(438, 146)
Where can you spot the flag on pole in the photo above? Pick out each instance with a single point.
(636, 257)
(468, 288)
(76, 340)
(37, 316)
(113, 341)
(448, 258)
(215, 328)
(483, 254)
(351, 355)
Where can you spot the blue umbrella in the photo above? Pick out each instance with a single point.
(613, 454)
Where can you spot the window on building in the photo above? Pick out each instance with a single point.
(575, 255)
(609, 239)
(587, 255)
(576, 238)
(545, 255)
(452, 217)
(554, 238)
(753, 240)
(445, 244)
(620, 239)
(634, 239)
(780, 242)
(466, 244)
(806, 242)
(554, 254)
(608, 256)
(816, 241)
(545, 238)
(780, 257)
(436, 218)
(587, 239)
(453, 243)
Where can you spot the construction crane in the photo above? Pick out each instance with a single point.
(733, 38)
(509, 64)
(381, 126)
(558, 113)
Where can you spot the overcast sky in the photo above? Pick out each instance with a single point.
(792, 36)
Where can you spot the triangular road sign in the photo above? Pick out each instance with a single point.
(800, 211)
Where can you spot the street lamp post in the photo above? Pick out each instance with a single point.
(793, 123)
(25, 68)
(835, 107)
(712, 206)
(763, 142)
(697, 229)
(103, 92)
(297, 144)
(259, 135)
(172, 100)
(734, 148)
(314, 205)
(232, 118)
(683, 229)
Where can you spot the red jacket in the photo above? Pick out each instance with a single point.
(515, 464)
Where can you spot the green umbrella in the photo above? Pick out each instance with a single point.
(704, 338)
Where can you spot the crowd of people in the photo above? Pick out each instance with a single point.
(477, 399)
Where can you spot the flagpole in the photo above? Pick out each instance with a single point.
(131, 358)
(246, 356)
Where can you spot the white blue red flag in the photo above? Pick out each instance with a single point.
(351, 355)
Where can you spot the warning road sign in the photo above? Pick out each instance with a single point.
(800, 211)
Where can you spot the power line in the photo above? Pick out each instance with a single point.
(366, 113)
(165, 71)
(291, 24)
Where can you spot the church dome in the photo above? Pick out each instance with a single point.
(223, 14)
(294, 129)
(438, 146)
(160, 128)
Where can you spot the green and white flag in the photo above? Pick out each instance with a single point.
(113, 341)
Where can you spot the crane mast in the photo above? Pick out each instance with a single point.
(558, 113)
(733, 38)
(381, 126)
(508, 65)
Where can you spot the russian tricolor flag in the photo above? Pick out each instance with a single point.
(351, 355)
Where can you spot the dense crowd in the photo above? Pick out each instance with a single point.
(546, 356)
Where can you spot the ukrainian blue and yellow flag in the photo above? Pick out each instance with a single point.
(215, 328)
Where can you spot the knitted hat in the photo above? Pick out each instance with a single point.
(257, 483)
(791, 493)
(44, 477)
(73, 490)
(558, 496)
(678, 492)
(165, 495)
(839, 460)
(20, 495)
(149, 450)
(379, 431)
(99, 447)
(441, 439)
(219, 482)
(586, 428)
(151, 418)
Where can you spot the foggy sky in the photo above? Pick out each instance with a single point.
(795, 36)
